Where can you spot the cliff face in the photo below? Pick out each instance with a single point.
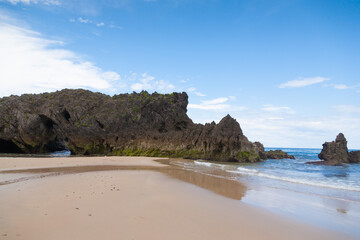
(127, 124)
(336, 152)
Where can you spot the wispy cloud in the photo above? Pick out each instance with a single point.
(112, 25)
(340, 86)
(31, 63)
(347, 108)
(214, 104)
(197, 93)
(272, 108)
(86, 21)
(83, 20)
(216, 101)
(149, 83)
(303, 82)
(28, 2)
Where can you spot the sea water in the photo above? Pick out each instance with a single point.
(328, 196)
(343, 177)
(64, 153)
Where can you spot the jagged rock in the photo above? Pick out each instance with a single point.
(336, 152)
(127, 124)
(278, 154)
(354, 156)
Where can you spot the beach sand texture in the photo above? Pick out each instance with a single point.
(131, 198)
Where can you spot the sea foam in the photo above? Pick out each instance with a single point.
(335, 185)
(207, 164)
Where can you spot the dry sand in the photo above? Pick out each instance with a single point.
(141, 199)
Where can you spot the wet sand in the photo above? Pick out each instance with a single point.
(131, 198)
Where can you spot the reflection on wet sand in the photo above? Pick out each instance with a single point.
(225, 187)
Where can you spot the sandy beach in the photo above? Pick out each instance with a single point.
(131, 198)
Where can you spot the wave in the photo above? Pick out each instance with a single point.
(207, 164)
(252, 172)
(244, 170)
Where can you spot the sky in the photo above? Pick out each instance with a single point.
(287, 70)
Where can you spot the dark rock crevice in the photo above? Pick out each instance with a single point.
(66, 115)
(7, 146)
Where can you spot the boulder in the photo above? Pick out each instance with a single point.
(278, 154)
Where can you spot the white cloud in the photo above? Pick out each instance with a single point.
(272, 108)
(31, 63)
(303, 82)
(214, 104)
(86, 21)
(340, 86)
(137, 87)
(28, 2)
(215, 101)
(115, 26)
(347, 108)
(232, 98)
(111, 76)
(149, 83)
(83, 20)
(208, 106)
(199, 94)
(193, 90)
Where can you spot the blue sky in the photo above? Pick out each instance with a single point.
(287, 70)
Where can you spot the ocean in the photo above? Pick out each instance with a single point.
(327, 196)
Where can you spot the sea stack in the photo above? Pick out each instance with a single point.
(336, 152)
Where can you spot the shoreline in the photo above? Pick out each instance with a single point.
(135, 193)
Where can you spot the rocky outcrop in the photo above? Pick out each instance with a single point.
(336, 152)
(278, 154)
(127, 124)
(354, 157)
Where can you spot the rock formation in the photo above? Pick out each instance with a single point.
(278, 154)
(126, 124)
(336, 152)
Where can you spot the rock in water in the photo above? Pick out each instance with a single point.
(127, 124)
(354, 156)
(336, 152)
(278, 154)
